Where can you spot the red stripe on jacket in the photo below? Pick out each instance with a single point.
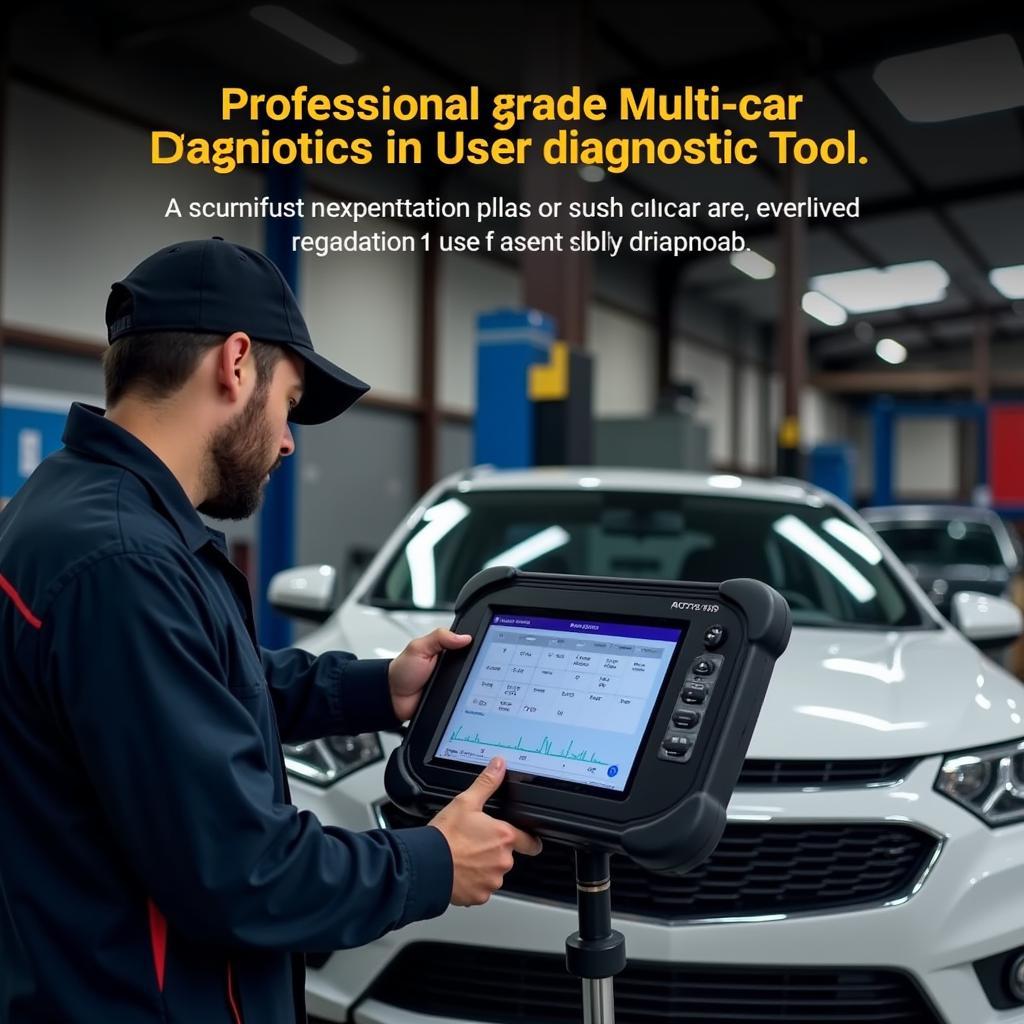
(8, 588)
(158, 940)
(236, 1015)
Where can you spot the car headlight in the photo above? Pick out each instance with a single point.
(323, 762)
(989, 782)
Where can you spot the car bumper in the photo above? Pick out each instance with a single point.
(969, 906)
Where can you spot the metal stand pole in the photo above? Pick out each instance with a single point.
(595, 953)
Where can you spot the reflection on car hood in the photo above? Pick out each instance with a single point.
(835, 693)
(372, 632)
(857, 694)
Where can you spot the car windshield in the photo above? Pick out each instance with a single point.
(830, 572)
(952, 542)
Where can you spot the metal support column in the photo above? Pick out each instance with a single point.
(666, 283)
(555, 283)
(884, 443)
(277, 518)
(791, 342)
(430, 421)
(596, 952)
(973, 432)
(739, 409)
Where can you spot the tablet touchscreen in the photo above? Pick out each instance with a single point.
(562, 698)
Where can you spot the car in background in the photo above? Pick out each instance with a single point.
(950, 548)
(872, 867)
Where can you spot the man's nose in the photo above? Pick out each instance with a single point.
(287, 442)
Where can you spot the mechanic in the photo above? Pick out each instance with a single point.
(152, 866)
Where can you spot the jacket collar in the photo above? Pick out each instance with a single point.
(90, 433)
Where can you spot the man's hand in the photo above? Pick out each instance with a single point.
(481, 845)
(409, 672)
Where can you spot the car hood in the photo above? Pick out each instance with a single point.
(373, 632)
(867, 694)
(834, 693)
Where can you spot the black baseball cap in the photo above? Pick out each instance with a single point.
(210, 285)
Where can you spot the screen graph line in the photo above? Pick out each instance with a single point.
(545, 747)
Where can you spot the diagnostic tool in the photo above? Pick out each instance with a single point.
(623, 709)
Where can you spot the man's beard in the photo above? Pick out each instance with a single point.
(236, 463)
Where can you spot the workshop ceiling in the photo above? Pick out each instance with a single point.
(950, 191)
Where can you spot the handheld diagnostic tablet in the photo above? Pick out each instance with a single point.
(623, 708)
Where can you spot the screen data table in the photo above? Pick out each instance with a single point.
(568, 699)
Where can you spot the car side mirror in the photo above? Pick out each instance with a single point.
(306, 592)
(986, 620)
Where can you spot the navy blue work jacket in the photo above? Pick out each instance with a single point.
(152, 866)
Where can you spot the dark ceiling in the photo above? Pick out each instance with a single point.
(952, 191)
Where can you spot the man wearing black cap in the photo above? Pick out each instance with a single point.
(152, 867)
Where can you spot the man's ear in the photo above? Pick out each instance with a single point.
(234, 365)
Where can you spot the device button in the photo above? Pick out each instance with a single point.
(685, 719)
(713, 637)
(694, 693)
(676, 745)
(703, 667)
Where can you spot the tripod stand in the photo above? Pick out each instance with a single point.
(595, 953)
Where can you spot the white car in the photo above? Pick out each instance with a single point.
(950, 548)
(873, 865)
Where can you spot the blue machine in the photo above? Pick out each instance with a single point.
(28, 433)
(509, 342)
(832, 467)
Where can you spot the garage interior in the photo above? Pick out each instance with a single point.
(761, 366)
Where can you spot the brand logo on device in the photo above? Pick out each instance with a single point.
(693, 606)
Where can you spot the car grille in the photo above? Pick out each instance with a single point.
(477, 983)
(824, 774)
(755, 870)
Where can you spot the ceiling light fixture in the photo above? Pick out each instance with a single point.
(824, 309)
(1008, 281)
(296, 28)
(876, 288)
(753, 264)
(891, 351)
(947, 82)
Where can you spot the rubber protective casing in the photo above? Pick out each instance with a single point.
(673, 815)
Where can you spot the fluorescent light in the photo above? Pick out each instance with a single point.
(876, 288)
(1009, 281)
(802, 536)
(590, 481)
(526, 551)
(753, 264)
(821, 308)
(419, 551)
(592, 173)
(891, 351)
(853, 539)
(947, 82)
(296, 28)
